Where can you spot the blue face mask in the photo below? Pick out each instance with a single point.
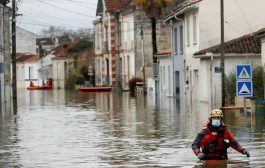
(216, 123)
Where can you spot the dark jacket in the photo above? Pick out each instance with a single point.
(214, 141)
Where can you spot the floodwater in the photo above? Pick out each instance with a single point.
(61, 129)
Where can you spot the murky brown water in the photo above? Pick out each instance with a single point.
(58, 129)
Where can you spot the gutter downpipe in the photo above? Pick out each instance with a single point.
(211, 80)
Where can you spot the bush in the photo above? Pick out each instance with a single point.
(84, 71)
(79, 80)
(230, 89)
(258, 87)
(132, 83)
(81, 46)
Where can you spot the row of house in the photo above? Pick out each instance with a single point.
(119, 54)
(40, 59)
(188, 46)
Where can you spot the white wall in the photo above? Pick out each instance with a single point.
(263, 51)
(166, 77)
(212, 80)
(23, 77)
(127, 48)
(59, 73)
(26, 41)
(241, 17)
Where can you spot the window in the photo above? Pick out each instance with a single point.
(176, 41)
(169, 80)
(188, 31)
(181, 39)
(30, 72)
(194, 29)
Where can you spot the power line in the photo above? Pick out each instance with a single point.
(67, 10)
(244, 16)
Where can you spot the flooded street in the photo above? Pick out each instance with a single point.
(61, 129)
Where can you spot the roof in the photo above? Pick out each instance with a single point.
(242, 45)
(180, 6)
(112, 5)
(45, 41)
(99, 8)
(27, 58)
(164, 52)
(261, 32)
(61, 50)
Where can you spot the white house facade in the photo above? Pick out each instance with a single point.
(201, 29)
(27, 70)
(243, 50)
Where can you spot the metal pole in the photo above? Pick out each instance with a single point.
(245, 106)
(14, 76)
(143, 57)
(222, 54)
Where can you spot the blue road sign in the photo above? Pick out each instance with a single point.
(244, 88)
(243, 72)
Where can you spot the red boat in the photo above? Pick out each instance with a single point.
(39, 87)
(96, 89)
(47, 86)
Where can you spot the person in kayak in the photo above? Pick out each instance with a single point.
(214, 139)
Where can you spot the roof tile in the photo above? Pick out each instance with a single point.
(112, 5)
(27, 58)
(245, 44)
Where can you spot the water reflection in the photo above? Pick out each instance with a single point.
(73, 129)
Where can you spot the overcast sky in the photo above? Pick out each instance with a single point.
(39, 14)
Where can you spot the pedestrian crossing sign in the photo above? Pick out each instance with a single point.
(244, 88)
(243, 72)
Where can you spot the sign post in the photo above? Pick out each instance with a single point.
(244, 85)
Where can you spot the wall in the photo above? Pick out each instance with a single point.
(26, 41)
(163, 41)
(241, 17)
(212, 80)
(165, 76)
(127, 47)
(98, 52)
(59, 73)
(23, 79)
(5, 58)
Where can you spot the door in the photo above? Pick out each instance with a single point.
(177, 85)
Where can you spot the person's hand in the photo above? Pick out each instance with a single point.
(200, 156)
(245, 152)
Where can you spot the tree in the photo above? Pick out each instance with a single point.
(153, 9)
(4, 2)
